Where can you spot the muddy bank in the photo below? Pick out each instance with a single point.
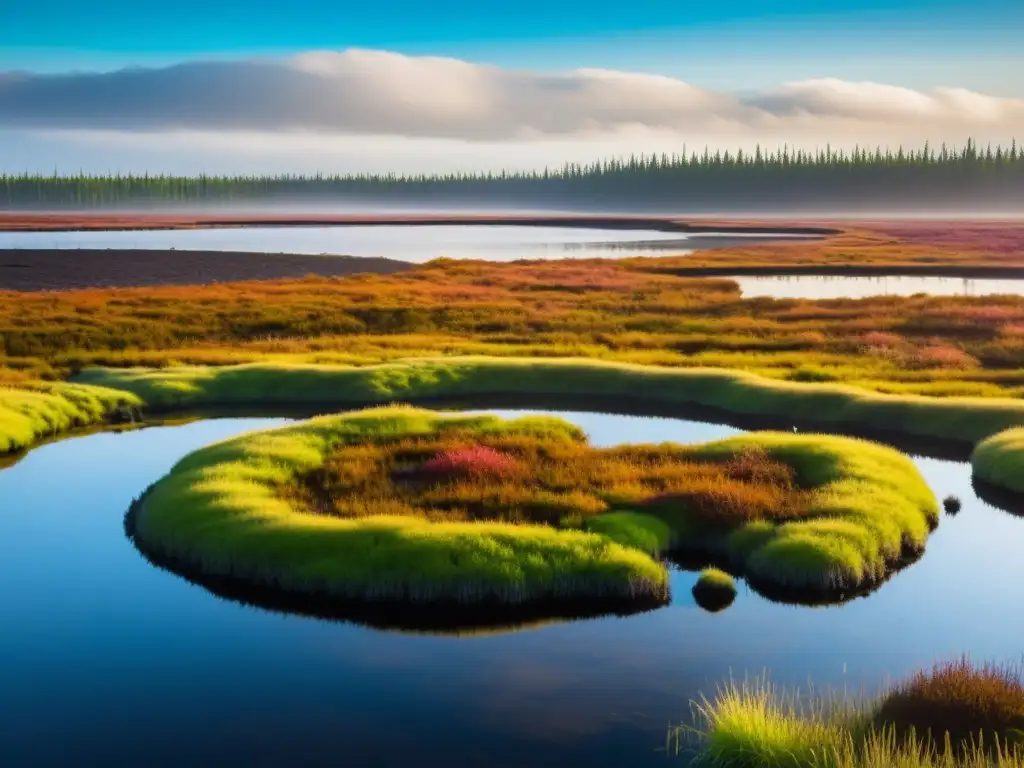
(58, 270)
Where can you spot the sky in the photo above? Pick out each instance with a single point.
(410, 87)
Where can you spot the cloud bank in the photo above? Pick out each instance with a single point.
(376, 93)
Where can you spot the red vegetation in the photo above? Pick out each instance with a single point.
(629, 310)
(462, 476)
(961, 699)
(472, 461)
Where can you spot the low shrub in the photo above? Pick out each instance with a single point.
(468, 462)
(974, 704)
(754, 724)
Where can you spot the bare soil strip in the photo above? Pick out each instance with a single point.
(59, 270)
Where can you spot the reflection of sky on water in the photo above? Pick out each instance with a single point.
(409, 243)
(135, 665)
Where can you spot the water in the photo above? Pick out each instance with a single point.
(815, 287)
(105, 659)
(409, 243)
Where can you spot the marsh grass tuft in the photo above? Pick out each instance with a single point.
(956, 716)
(972, 703)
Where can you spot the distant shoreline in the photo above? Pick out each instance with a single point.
(967, 272)
(128, 221)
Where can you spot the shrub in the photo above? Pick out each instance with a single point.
(472, 461)
(756, 725)
(970, 703)
(941, 356)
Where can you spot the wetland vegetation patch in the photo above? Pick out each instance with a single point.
(715, 590)
(956, 715)
(393, 504)
(999, 461)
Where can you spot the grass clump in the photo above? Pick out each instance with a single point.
(756, 725)
(400, 503)
(972, 704)
(714, 590)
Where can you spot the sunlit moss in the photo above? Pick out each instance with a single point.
(221, 510)
(999, 460)
(28, 415)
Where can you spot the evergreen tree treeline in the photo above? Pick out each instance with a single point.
(737, 177)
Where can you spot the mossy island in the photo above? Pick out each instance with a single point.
(714, 590)
(411, 506)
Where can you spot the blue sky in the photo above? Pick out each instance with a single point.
(784, 36)
(740, 47)
(248, 25)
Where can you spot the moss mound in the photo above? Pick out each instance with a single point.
(228, 510)
(403, 504)
(959, 419)
(715, 590)
(999, 460)
(30, 415)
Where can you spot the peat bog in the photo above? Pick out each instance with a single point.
(676, 541)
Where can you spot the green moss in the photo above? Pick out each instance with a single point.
(961, 419)
(30, 415)
(220, 511)
(632, 529)
(713, 579)
(869, 503)
(999, 460)
(715, 590)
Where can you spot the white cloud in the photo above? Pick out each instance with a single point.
(365, 92)
(361, 110)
